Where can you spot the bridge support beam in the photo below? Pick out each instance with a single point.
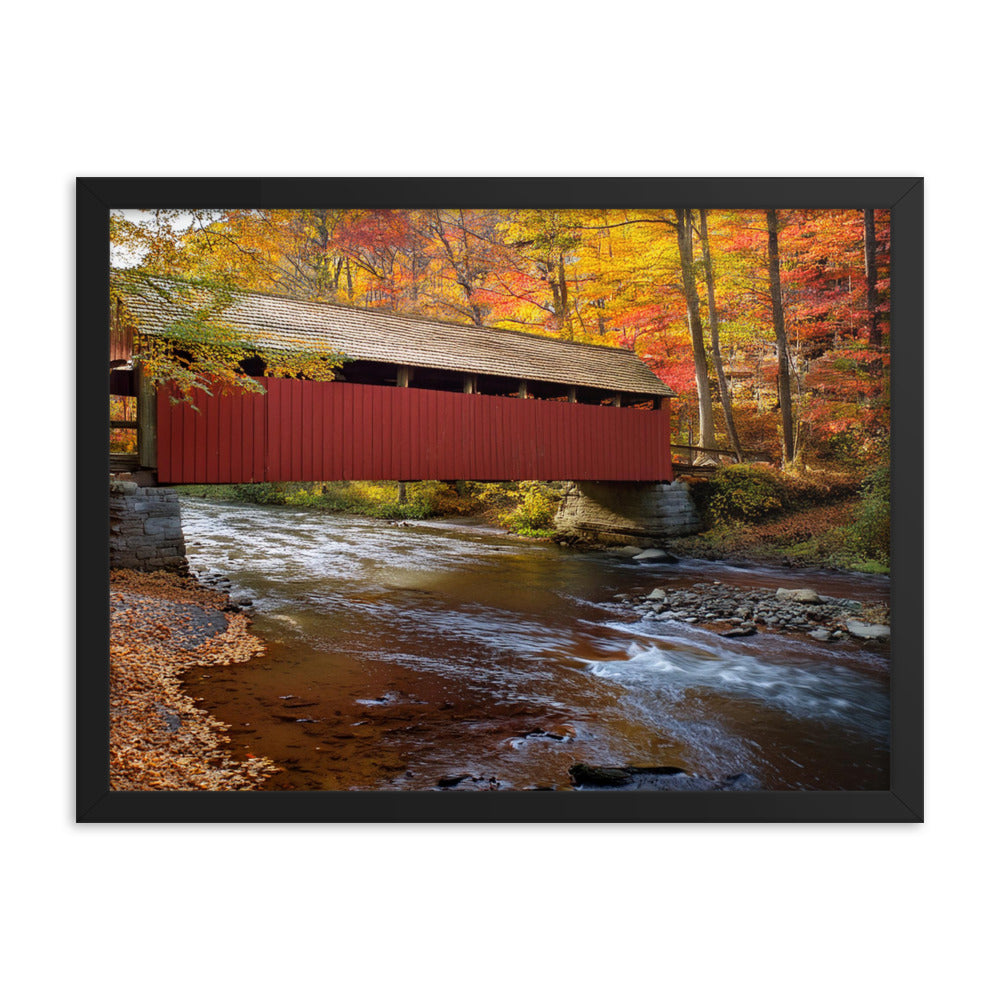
(626, 513)
(146, 532)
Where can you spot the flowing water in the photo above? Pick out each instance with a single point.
(399, 656)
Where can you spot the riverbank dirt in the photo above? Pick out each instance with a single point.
(162, 626)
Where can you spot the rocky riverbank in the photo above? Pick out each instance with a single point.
(739, 612)
(163, 625)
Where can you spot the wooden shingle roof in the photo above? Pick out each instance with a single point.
(279, 322)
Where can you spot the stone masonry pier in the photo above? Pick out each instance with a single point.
(626, 513)
(146, 528)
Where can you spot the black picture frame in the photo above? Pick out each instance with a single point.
(902, 802)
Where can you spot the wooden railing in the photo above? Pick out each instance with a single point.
(686, 458)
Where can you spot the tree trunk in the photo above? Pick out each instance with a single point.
(706, 428)
(784, 383)
(565, 314)
(871, 279)
(146, 418)
(713, 326)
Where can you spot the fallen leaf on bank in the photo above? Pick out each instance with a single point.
(152, 626)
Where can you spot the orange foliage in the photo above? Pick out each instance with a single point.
(600, 276)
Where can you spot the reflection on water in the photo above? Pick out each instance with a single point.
(404, 655)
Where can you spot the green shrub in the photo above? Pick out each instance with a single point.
(258, 493)
(745, 494)
(525, 508)
(870, 533)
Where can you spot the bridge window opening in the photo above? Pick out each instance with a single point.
(634, 402)
(370, 372)
(254, 366)
(593, 397)
(497, 385)
(122, 382)
(439, 379)
(124, 424)
(548, 390)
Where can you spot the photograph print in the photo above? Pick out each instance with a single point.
(585, 501)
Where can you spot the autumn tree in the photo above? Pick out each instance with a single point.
(685, 242)
(801, 328)
(200, 350)
(778, 313)
(713, 324)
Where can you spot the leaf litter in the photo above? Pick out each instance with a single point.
(163, 625)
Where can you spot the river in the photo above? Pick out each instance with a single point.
(401, 657)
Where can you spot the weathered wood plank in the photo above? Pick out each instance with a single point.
(146, 407)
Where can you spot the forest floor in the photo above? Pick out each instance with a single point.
(163, 625)
(805, 538)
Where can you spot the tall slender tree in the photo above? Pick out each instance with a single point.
(685, 242)
(713, 326)
(871, 279)
(778, 313)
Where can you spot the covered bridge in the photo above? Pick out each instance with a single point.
(416, 399)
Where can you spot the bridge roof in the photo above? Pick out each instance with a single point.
(280, 322)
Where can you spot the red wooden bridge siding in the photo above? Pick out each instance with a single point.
(329, 431)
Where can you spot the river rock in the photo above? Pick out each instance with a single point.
(651, 555)
(656, 595)
(738, 783)
(659, 779)
(599, 777)
(614, 777)
(739, 632)
(628, 550)
(170, 719)
(451, 780)
(803, 595)
(823, 634)
(864, 630)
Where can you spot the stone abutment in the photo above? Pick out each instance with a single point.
(626, 513)
(146, 528)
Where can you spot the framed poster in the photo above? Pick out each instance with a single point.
(579, 501)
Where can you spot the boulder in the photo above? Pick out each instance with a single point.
(739, 632)
(865, 630)
(659, 779)
(615, 777)
(451, 780)
(599, 777)
(652, 555)
(739, 783)
(803, 595)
